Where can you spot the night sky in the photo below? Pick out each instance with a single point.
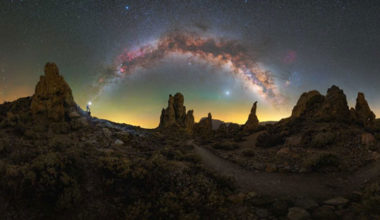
(126, 57)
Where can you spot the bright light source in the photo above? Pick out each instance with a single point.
(89, 103)
(227, 92)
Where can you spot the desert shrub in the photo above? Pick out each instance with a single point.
(225, 146)
(191, 157)
(239, 138)
(48, 183)
(321, 160)
(159, 188)
(322, 140)
(377, 136)
(49, 176)
(19, 128)
(267, 139)
(248, 152)
(370, 200)
(205, 141)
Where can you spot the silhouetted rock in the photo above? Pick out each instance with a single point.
(175, 114)
(308, 104)
(334, 107)
(189, 121)
(204, 127)
(314, 106)
(53, 97)
(362, 111)
(228, 130)
(252, 122)
(179, 108)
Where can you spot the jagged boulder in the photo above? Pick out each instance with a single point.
(252, 122)
(204, 126)
(167, 118)
(179, 108)
(307, 104)
(363, 113)
(189, 121)
(53, 98)
(314, 106)
(334, 107)
(222, 130)
(228, 129)
(175, 114)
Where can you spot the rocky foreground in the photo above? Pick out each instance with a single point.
(56, 161)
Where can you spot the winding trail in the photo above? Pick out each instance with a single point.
(314, 185)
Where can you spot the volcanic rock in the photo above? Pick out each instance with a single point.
(204, 127)
(324, 213)
(189, 121)
(175, 114)
(297, 213)
(334, 107)
(314, 106)
(363, 113)
(252, 122)
(336, 201)
(53, 98)
(368, 139)
(228, 129)
(307, 104)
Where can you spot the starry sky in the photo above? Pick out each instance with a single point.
(119, 54)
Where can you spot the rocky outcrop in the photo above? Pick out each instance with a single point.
(314, 106)
(204, 127)
(307, 104)
(252, 122)
(53, 98)
(189, 121)
(334, 107)
(175, 114)
(228, 130)
(363, 113)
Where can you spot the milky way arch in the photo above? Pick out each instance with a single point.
(219, 52)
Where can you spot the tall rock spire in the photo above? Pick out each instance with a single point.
(362, 111)
(252, 121)
(175, 114)
(53, 97)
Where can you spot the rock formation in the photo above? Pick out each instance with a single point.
(189, 121)
(204, 127)
(175, 114)
(334, 107)
(314, 106)
(363, 113)
(252, 121)
(307, 104)
(53, 97)
(228, 130)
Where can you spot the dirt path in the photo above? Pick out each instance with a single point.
(317, 186)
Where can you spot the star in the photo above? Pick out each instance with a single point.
(127, 7)
(227, 93)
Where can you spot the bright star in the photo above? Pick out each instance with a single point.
(227, 92)
(89, 103)
(127, 7)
